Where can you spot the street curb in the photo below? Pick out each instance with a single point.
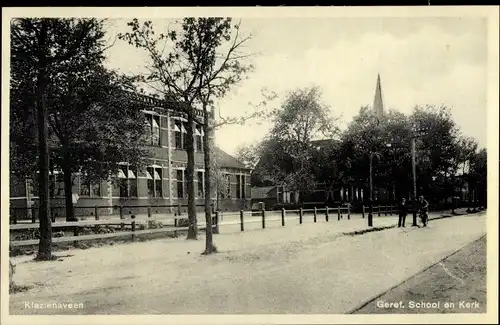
(352, 311)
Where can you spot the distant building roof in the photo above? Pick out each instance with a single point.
(324, 142)
(263, 192)
(226, 160)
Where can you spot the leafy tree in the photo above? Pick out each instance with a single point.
(252, 157)
(441, 151)
(37, 46)
(438, 150)
(363, 140)
(478, 176)
(212, 167)
(57, 68)
(287, 151)
(248, 155)
(203, 61)
(95, 125)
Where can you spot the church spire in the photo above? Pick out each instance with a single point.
(378, 104)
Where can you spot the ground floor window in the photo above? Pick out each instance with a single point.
(127, 181)
(155, 185)
(180, 183)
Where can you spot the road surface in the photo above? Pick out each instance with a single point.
(298, 269)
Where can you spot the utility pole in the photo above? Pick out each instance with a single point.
(417, 132)
(370, 206)
(414, 170)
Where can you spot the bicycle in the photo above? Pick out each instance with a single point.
(424, 217)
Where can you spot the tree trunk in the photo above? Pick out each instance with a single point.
(68, 191)
(209, 245)
(45, 244)
(193, 229)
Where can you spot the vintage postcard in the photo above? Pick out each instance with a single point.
(250, 165)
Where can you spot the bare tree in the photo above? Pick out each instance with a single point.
(204, 60)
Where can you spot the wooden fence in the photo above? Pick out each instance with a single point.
(94, 211)
(123, 223)
(379, 209)
(131, 222)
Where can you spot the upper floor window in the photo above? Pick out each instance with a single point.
(153, 129)
(180, 134)
(198, 136)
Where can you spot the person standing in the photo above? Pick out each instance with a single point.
(423, 209)
(402, 211)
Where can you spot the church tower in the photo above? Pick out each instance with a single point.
(378, 104)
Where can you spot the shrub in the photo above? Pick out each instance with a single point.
(153, 224)
(183, 222)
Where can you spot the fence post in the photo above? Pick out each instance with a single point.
(179, 209)
(263, 218)
(338, 212)
(242, 227)
(51, 212)
(216, 222)
(33, 217)
(14, 216)
(378, 210)
(133, 227)
(121, 217)
(149, 211)
(363, 211)
(315, 213)
(326, 214)
(390, 210)
(75, 233)
(175, 226)
(300, 215)
(96, 228)
(385, 210)
(348, 213)
(283, 217)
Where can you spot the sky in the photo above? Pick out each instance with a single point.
(420, 61)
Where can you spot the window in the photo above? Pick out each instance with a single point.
(95, 189)
(154, 176)
(164, 131)
(180, 131)
(127, 182)
(84, 189)
(151, 182)
(152, 122)
(227, 193)
(198, 136)
(178, 134)
(52, 185)
(243, 187)
(180, 183)
(56, 184)
(158, 182)
(238, 186)
(132, 181)
(200, 184)
(90, 189)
